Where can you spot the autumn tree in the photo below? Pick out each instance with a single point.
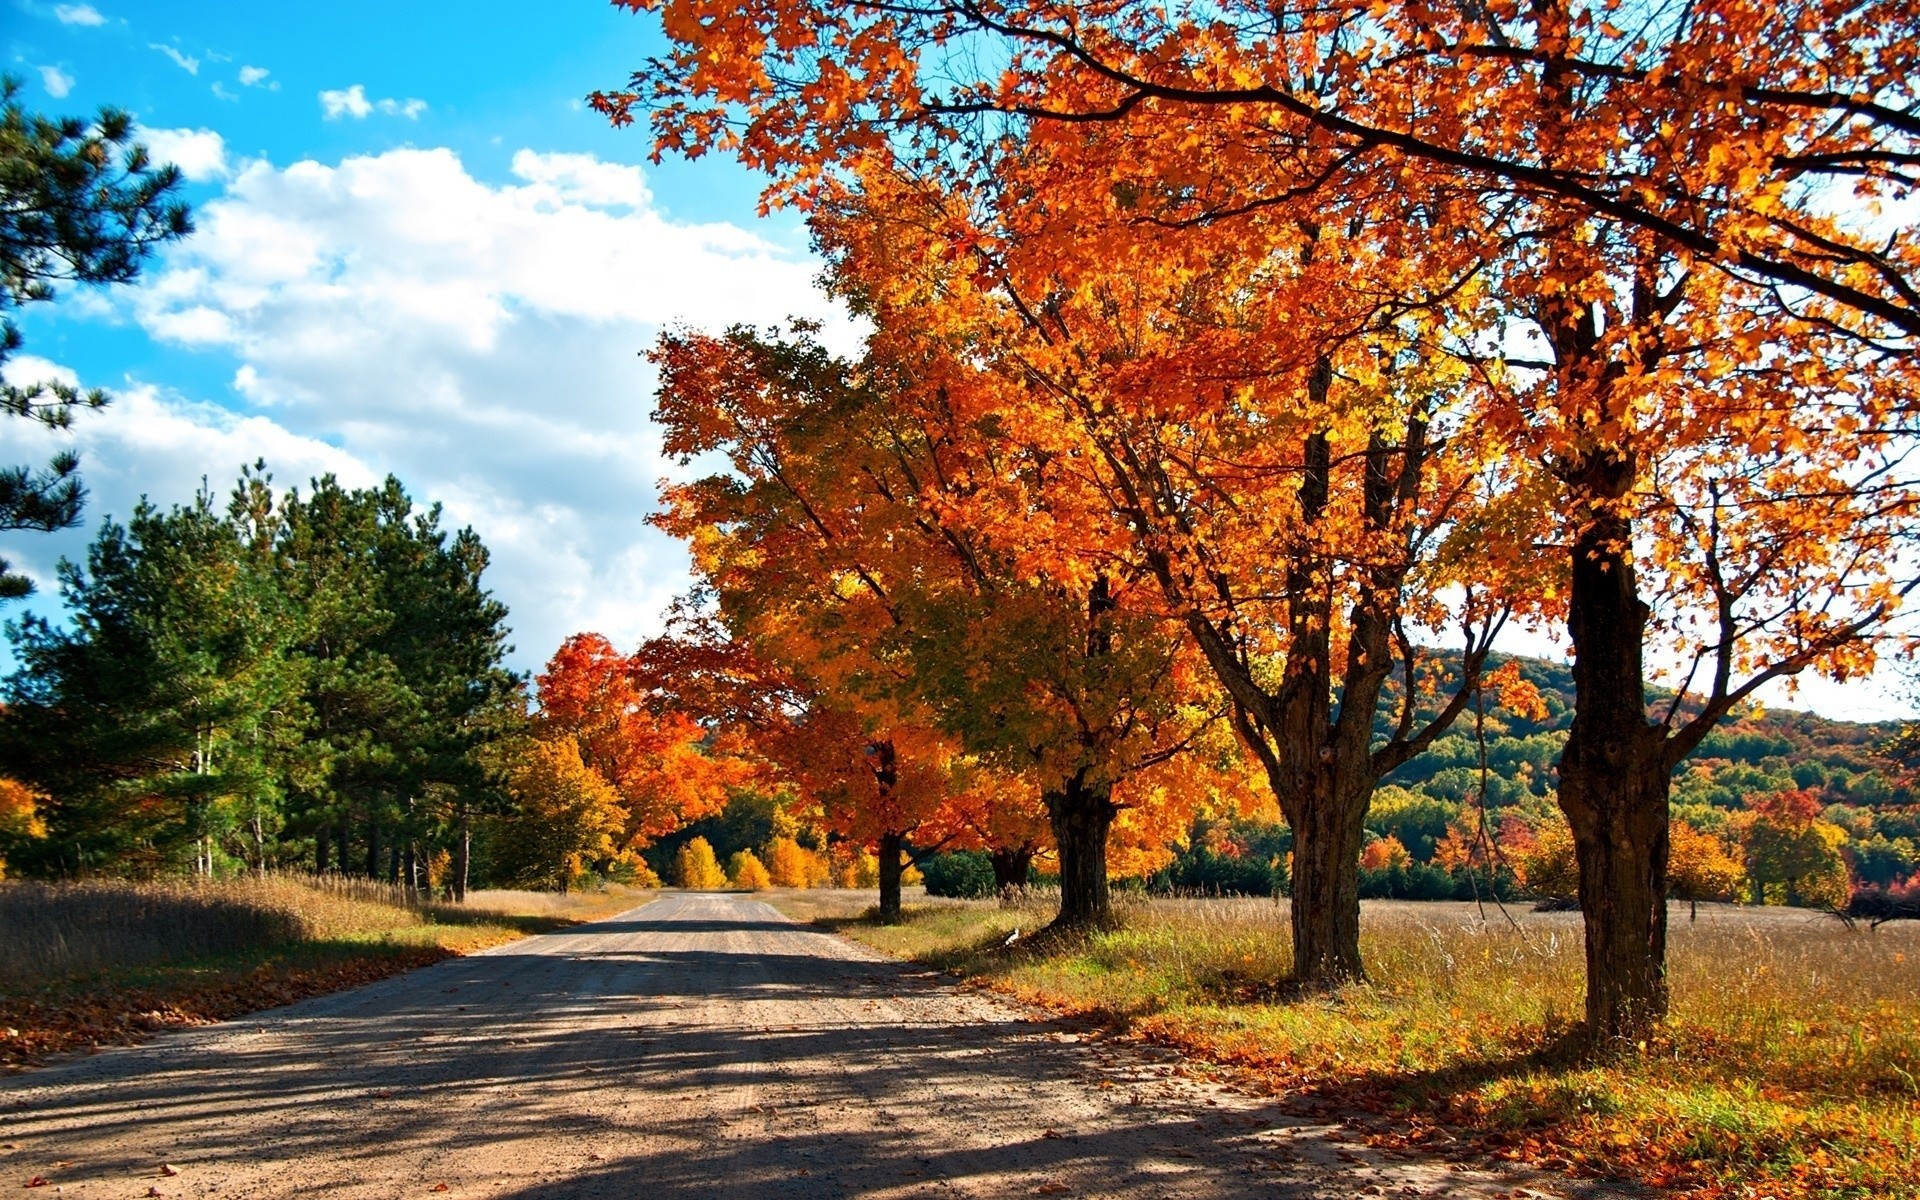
(566, 817)
(746, 871)
(1721, 356)
(696, 869)
(1701, 866)
(864, 473)
(667, 768)
(1789, 847)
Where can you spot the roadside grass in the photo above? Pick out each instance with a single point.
(1788, 1067)
(111, 962)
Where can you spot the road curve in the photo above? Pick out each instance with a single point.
(699, 1046)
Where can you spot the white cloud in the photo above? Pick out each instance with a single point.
(78, 14)
(151, 442)
(222, 92)
(185, 62)
(57, 82)
(481, 341)
(255, 77)
(349, 103)
(353, 102)
(200, 154)
(584, 179)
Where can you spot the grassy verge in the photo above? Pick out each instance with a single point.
(97, 964)
(1788, 1068)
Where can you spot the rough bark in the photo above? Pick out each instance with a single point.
(322, 843)
(890, 871)
(373, 850)
(1325, 891)
(1011, 865)
(1081, 814)
(1614, 779)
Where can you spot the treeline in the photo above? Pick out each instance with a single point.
(286, 678)
(1785, 806)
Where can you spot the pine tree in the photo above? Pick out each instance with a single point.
(79, 203)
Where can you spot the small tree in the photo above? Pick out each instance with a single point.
(567, 817)
(1700, 867)
(746, 872)
(1548, 868)
(791, 865)
(696, 869)
(1789, 848)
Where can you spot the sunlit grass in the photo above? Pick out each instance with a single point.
(1788, 1066)
(106, 962)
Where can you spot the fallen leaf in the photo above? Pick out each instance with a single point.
(441, 1187)
(1052, 1189)
(37, 1181)
(169, 1170)
(1053, 1133)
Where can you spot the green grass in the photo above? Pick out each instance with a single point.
(1788, 1065)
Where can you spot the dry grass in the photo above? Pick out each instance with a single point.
(89, 964)
(57, 930)
(1788, 1068)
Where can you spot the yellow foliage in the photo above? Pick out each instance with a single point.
(568, 816)
(1700, 866)
(746, 872)
(19, 813)
(629, 868)
(791, 865)
(1548, 867)
(696, 868)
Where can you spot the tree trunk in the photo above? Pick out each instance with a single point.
(1614, 779)
(890, 872)
(1081, 815)
(322, 843)
(393, 863)
(373, 849)
(462, 859)
(410, 868)
(1011, 865)
(1325, 887)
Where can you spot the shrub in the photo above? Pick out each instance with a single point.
(964, 874)
(791, 865)
(746, 872)
(697, 869)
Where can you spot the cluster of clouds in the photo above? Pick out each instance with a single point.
(482, 341)
(59, 81)
(353, 102)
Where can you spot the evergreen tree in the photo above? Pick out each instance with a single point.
(79, 202)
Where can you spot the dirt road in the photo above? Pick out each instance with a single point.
(700, 1046)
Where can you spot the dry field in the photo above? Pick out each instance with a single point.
(1788, 1068)
(105, 962)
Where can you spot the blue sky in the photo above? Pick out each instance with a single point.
(419, 253)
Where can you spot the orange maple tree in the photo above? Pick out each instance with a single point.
(666, 768)
(1653, 244)
(863, 473)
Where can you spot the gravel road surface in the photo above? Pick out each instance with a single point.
(699, 1046)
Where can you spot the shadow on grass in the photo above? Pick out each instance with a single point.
(1430, 1091)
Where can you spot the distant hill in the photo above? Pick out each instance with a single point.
(1862, 789)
